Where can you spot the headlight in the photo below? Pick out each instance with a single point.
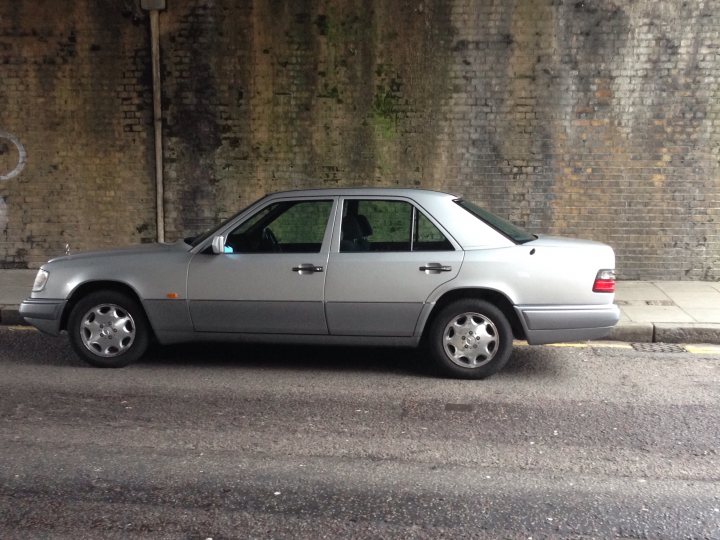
(40, 280)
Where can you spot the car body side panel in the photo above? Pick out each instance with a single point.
(296, 317)
(540, 337)
(569, 317)
(168, 315)
(382, 293)
(550, 324)
(534, 275)
(308, 339)
(256, 292)
(372, 318)
(151, 272)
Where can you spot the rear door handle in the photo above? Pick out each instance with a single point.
(435, 268)
(307, 268)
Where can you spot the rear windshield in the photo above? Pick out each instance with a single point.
(510, 230)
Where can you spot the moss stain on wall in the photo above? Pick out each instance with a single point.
(596, 119)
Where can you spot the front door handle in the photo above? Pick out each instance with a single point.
(307, 268)
(435, 268)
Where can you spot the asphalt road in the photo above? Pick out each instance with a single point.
(285, 442)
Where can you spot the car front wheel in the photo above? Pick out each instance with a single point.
(470, 339)
(108, 329)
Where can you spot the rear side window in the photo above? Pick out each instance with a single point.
(428, 237)
(390, 226)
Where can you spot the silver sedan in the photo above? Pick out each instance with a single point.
(398, 267)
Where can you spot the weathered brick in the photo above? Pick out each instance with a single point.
(591, 119)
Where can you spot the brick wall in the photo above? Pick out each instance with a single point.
(595, 119)
(588, 118)
(75, 91)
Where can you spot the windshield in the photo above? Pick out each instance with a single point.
(510, 230)
(196, 241)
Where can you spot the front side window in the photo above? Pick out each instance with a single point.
(282, 227)
(378, 225)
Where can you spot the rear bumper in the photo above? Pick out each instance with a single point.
(45, 315)
(551, 324)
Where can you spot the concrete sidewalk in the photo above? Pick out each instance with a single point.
(668, 311)
(662, 311)
(15, 286)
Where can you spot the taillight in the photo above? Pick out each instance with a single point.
(604, 281)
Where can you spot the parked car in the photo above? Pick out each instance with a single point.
(400, 267)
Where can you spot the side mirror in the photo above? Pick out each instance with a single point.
(218, 245)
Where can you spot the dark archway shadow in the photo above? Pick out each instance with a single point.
(302, 357)
(33, 348)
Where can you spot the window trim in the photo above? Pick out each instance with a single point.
(412, 228)
(231, 224)
(335, 246)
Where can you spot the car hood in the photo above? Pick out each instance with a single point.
(144, 249)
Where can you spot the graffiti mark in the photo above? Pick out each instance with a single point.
(22, 155)
(3, 214)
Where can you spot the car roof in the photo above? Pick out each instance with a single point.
(370, 191)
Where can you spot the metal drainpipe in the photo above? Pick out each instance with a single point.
(154, 7)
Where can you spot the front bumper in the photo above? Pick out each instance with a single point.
(553, 324)
(45, 315)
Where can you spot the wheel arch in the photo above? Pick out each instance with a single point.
(495, 297)
(94, 286)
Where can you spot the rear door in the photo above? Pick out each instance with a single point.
(386, 259)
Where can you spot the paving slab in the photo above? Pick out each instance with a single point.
(697, 301)
(639, 291)
(653, 314)
(704, 315)
(679, 287)
(15, 286)
(692, 295)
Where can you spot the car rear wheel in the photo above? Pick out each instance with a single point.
(108, 329)
(470, 339)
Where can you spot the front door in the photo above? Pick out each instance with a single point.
(271, 278)
(388, 260)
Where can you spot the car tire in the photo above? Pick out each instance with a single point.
(108, 329)
(470, 339)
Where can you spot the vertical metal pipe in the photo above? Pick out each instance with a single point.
(157, 120)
